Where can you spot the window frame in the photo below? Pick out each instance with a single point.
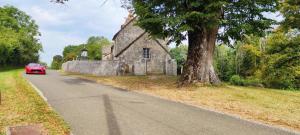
(146, 53)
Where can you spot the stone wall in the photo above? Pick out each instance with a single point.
(141, 67)
(171, 67)
(107, 52)
(98, 68)
(114, 68)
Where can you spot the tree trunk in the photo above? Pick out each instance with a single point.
(199, 64)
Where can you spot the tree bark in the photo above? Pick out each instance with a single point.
(199, 64)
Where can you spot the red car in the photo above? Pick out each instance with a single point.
(34, 68)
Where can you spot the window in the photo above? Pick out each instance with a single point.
(146, 53)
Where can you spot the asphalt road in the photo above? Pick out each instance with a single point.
(95, 109)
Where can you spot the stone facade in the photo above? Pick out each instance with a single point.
(128, 47)
(106, 53)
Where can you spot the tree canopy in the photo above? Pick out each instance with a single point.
(19, 42)
(94, 46)
(234, 18)
(291, 13)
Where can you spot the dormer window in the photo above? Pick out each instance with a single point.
(146, 53)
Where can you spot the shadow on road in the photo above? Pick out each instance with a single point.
(113, 126)
(77, 81)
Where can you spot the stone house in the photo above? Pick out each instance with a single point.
(133, 52)
(140, 53)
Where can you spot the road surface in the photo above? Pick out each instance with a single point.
(95, 109)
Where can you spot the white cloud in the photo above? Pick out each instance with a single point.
(48, 17)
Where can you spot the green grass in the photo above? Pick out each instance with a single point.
(270, 106)
(21, 105)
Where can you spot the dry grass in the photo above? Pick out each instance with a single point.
(270, 106)
(21, 105)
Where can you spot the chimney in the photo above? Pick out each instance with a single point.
(128, 19)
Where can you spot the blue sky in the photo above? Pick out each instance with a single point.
(72, 23)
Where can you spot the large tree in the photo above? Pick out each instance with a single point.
(19, 34)
(202, 22)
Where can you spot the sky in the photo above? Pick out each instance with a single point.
(71, 23)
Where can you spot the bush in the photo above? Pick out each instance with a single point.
(253, 82)
(236, 80)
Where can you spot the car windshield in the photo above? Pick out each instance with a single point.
(33, 65)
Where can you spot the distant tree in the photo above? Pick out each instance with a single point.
(250, 55)
(281, 67)
(57, 62)
(179, 53)
(71, 52)
(94, 46)
(224, 62)
(272, 61)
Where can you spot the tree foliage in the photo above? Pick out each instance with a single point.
(282, 61)
(57, 62)
(272, 61)
(291, 13)
(173, 18)
(94, 46)
(180, 55)
(18, 37)
(224, 62)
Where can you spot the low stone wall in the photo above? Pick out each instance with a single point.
(113, 68)
(99, 68)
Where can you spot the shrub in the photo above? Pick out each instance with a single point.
(236, 80)
(253, 82)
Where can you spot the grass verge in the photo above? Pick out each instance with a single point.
(21, 105)
(269, 106)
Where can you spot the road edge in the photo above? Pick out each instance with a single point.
(41, 94)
